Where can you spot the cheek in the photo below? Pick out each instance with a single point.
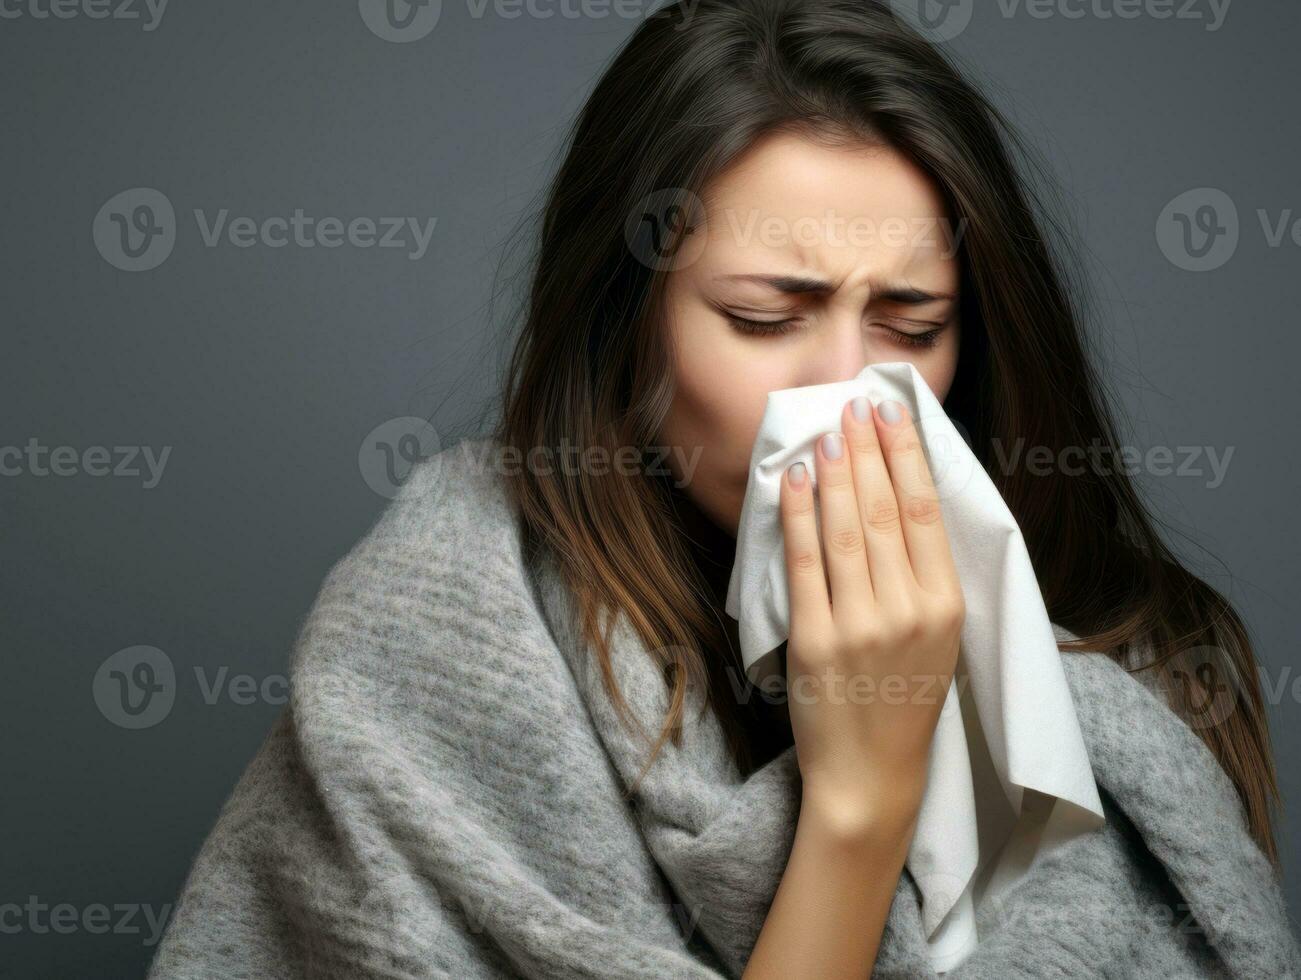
(720, 391)
(724, 392)
(940, 366)
(717, 405)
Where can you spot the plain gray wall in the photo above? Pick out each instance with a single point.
(264, 369)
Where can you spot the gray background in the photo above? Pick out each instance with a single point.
(264, 369)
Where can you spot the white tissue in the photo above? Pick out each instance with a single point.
(1018, 706)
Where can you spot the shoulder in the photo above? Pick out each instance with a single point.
(1152, 760)
(1159, 770)
(451, 500)
(1098, 673)
(440, 575)
(453, 507)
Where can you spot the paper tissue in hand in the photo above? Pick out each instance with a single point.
(1008, 775)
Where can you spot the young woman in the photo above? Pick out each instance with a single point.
(491, 764)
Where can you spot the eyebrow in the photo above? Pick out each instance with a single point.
(895, 292)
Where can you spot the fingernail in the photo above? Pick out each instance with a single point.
(891, 412)
(797, 474)
(831, 445)
(861, 408)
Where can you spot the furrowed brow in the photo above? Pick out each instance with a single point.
(893, 292)
(786, 284)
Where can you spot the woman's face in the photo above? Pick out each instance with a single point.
(844, 257)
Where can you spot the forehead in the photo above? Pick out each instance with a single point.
(846, 213)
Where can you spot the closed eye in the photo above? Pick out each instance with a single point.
(762, 327)
(770, 328)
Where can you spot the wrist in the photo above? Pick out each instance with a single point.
(877, 817)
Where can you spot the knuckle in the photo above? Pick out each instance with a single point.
(954, 614)
(803, 561)
(903, 626)
(915, 629)
(907, 445)
(946, 614)
(845, 540)
(922, 508)
(947, 603)
(890, 631)
(882, 514)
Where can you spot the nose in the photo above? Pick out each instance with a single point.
(842, 351)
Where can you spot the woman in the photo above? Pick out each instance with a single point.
(518, 741)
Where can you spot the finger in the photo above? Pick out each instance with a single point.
(920, 517)
(842, 532)
(805, 577)
(888, 565)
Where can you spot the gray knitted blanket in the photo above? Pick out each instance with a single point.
(442, 798)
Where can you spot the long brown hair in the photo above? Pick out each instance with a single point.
(591, 370)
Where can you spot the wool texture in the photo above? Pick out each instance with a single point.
(444, 795)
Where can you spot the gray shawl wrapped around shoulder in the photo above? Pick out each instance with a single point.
(443, 797)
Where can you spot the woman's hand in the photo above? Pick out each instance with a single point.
(876, 618)
(875, 626)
